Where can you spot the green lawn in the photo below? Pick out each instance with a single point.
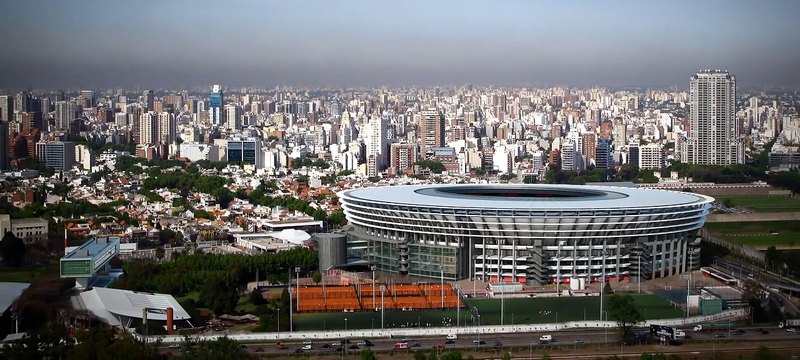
(18, 275)
(518, 311)
(763, 203)
(758, 233)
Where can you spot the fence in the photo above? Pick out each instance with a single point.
(727, 315)
(735, 248)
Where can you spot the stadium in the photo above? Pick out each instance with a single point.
(535, 234)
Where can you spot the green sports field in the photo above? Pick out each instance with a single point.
(760, 234)
(517, 311)
(763, 203)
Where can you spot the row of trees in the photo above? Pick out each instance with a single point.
(217, 277)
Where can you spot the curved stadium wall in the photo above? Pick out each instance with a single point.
(525, 233)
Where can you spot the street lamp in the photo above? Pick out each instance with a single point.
(290, 307)
(558, 268)
(279, 322)
(297, 271)
(441, 285)
(638, 254)
(372, 267)
(383, 289)
(603, 280)
(605, 327)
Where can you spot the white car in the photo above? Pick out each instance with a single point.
(306, 342)
(306, 347)
(175, 346)
(452, 336)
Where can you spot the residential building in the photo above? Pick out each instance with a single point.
(713, 136)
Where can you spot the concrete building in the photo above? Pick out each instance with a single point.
(713, 136)
(431, 132)
(57, 155)
(30, 230)
(651, 156)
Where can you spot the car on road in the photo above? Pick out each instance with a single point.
(406, 340)
(306, 342)
(365, 343)
(545, 339)
(306, 347)
(400, 346)
(578, 341)
(719, 336)
(280, 346)
(175, 346)
(737, 332)
(415, 345)
(479, 342)
(354, 347)
(326, 346)
(498, 344)
(791, 329)
(439, 346)
(450, 342)
(452, 336)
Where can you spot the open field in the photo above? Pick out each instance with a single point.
(763, 203)
(517, 311)
(18, 275)
(760, 234)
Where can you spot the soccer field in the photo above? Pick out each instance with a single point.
(760, 234)
(765, 203)
(517, 311)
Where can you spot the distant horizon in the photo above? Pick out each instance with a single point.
(349, 43)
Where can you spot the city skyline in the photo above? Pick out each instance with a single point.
(183, 44)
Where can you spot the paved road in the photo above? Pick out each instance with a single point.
(516, 340)
(743, 272)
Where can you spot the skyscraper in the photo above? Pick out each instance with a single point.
(167, 128)
(216, 101)
(712, 137)
(148, 98)
(375, 139)
(148, 128)
(6, 107)
(431, 130)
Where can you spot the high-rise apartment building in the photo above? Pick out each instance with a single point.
(148, 128)
(375, 139)
(651, 156)
(216, 102)
(3, 145)
(148, 98)
(65, 113)
(233, 117)
(6, 107)
(603, 156)
(431, 130)
(402, 158)
(167, 128)
(57, 155)
(245, 150)
(712, 137)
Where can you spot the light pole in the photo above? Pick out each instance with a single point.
(290, 307)
(373, 285)
(558, 268)
(605, 328)
(502, 302)
(603, 280)
(474, 276)
(441, 285)
(638, 254)
(458, 306)
(688, 282)
(297, 303)
(279, 322)
(383, 289)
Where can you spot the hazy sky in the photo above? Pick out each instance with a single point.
(174, 43)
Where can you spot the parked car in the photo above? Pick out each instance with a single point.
(579, 341)
(306, 347)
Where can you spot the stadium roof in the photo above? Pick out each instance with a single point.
(113, 305)
(9, 292)
(526, 197)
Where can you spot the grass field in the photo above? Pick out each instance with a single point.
(758, 233)
(517, 311)
(765, 203)
(18, 275)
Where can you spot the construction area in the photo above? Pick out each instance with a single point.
(360, 297)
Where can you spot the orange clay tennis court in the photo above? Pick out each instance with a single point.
(358, 297)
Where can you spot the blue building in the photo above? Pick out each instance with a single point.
(216, 102)
(245, 150)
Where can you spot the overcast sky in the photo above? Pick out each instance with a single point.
(174, 43)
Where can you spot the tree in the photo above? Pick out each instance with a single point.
(367, 354)
(451, 355)
(316, 277)
(222, 348)
(13, 250)
(256, 297)
(622, 310)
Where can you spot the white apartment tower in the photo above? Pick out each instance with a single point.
(713, 137)
(375, 139)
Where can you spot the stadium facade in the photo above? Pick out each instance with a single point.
(527, 233)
